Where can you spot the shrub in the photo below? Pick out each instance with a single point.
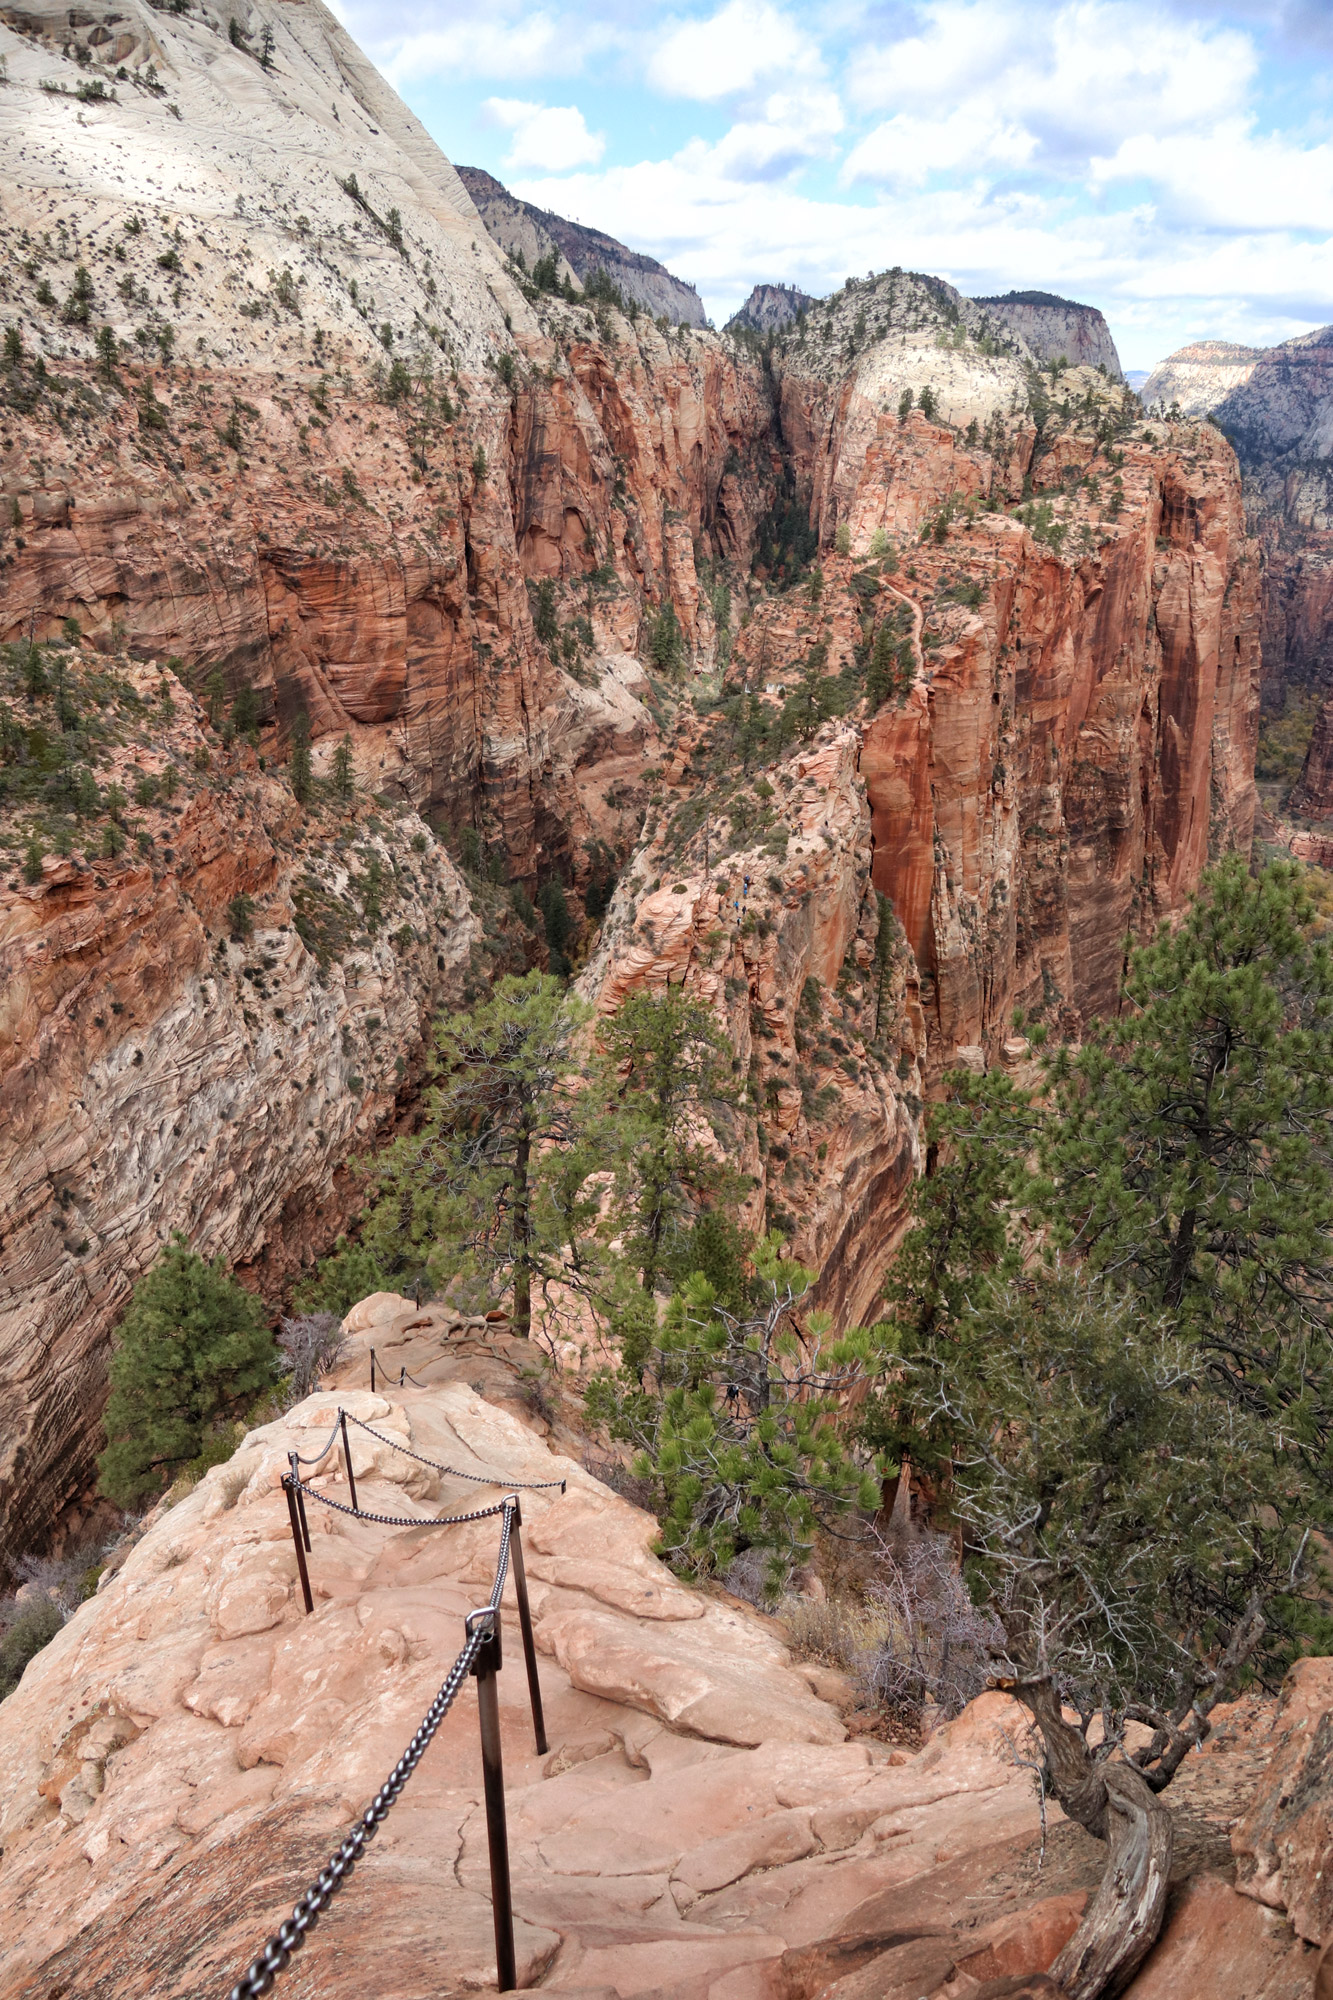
(192, 1352)
(310, 1343)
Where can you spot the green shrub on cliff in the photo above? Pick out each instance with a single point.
(192, 1352)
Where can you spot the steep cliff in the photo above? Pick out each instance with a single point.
(518, 225)
(1056, 328)
(769, 307)
(1069, 737)
(335, 460)
(1082, 725)
(1195, 379)
(208, 1002)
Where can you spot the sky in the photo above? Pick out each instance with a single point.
(1172, 164)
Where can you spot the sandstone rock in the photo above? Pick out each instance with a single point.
(1056, 328)
(1284, 1844)
(1199, 377)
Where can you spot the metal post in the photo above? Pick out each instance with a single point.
(525, 1624)
(372, 1371)
(300, 1499)
(485, 1667)
(297, 1543)
(347, 1460)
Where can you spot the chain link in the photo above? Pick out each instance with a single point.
(327, 1449)
(261, 1973)
(401, 1520)
(476, 1478)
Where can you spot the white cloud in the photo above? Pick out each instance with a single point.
(548, 138)
(1080, 80)
(905, 150)
(1229, 177)
(743, 45)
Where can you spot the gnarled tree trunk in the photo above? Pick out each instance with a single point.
(1114, 1802)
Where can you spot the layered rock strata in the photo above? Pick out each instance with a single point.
(520, 226)
(1195, 379)
(1057, 329)
(187, 1752)
(173, 1058)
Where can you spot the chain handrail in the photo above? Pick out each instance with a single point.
(476, 1478)
(290, 1935)
(401, 1520)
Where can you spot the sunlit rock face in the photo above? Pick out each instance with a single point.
(340, 453)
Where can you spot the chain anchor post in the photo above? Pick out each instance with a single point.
(347, 1461)
(485, 1667)
(525, 1621)
(295, 1464)
(297, 1543)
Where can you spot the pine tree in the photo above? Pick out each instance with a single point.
(106, 353)
(732, 1407)
(299, 768)
(672, 1070)
(192, 1351)
(344, 779)
(1190, 1151)
(473, 1196)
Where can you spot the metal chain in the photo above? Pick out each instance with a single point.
(401, 1520)
(260, 1974)
(476, 1478)
(320, 1454)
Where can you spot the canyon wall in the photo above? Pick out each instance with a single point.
(336, 462)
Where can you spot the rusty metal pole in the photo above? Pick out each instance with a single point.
(485, 1667)
(347, 1461)
(525, 1625)
(297, 1543)
(300, 1499)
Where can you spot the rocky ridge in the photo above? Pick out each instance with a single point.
(518, 225)
(1195, 379)
(1055, 328)
(185, 1754)
(455, 543)
(769, 307)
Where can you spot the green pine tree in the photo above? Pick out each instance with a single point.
(672, 1080)
(299, 767)
(733, 1410)
(344, 776)
(191, 1353)
(1189, 1149)
(480, 1194)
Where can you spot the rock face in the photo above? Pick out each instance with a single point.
(160, 1071)
(767, 914)
(342, 459)
(1054, 328)
(1284, 409)
(1195, 379)
(1082, 725)
(769, 307)
(181, 1760)
(519, 225)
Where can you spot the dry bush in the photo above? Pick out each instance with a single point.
(311, 1344)
(910, 1639)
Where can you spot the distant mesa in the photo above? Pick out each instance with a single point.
(770, 307)
(1282, 412)
(1054, 327)
(519, 226)
(1199, 377)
